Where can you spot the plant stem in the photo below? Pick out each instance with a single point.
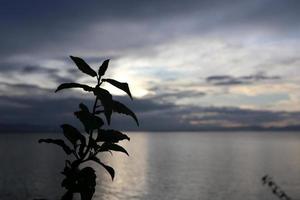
(91, 131)
(75, 154)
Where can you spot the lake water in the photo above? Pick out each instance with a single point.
(161, 166)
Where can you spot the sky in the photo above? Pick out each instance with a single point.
(190, 65)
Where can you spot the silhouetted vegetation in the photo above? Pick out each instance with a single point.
(86, 146)
(276, 190)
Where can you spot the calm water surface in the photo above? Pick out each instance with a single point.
(171, 166)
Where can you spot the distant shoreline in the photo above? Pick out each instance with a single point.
(4, 129)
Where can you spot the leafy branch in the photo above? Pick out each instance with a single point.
(94, 140)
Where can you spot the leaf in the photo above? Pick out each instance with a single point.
(72, 134)
(74, 85)
(70, 181)
(83, 107)
(121, 108)
(106, 100)
(58, 142)
(81, 150)
(88, 120)
(67, 196)
(67, 168)
(99, 112)
(109, 169)
(68, 163)
(93, 144)
(103, 68)
(86, 183)
(111, 136)
(120, 85)
(83, 66)
(113, 147)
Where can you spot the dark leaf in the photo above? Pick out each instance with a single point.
(86, 183)
(99, 112)
(111, 135)
(72, 134)
(121, 108)
(83, 107)
(67, 168)
(83, 66)
(81, 181)
(120, 85)
(70, 181)
(75, 164)
(97, 147)
(67, 196)
(68, 163)
(74, 85)
(113, 147)
(103, 68)
(59, 143)
(109, 169)
(94, 144)
(106, 100)
(81, 150)
(89, 121)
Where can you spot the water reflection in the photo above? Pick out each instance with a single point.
(131, 172)
(166, 166)
(28, 170)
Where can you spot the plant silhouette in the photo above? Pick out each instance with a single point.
(276, 190)
(86, 146)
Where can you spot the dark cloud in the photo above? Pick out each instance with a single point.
(189, 118)
(6, 67)
(46, 109)
(244, 117)
(52, 29)
(16, 90)
(231, 80)
(30, 69)
(58, 26)
(52, 74)
(170, 94)
(31, 28)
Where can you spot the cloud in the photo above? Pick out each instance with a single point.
(167, 93)
(44, 109)
(38, 75)
(172, 53)
(21, 90)
(231, 80)
(59, 27)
